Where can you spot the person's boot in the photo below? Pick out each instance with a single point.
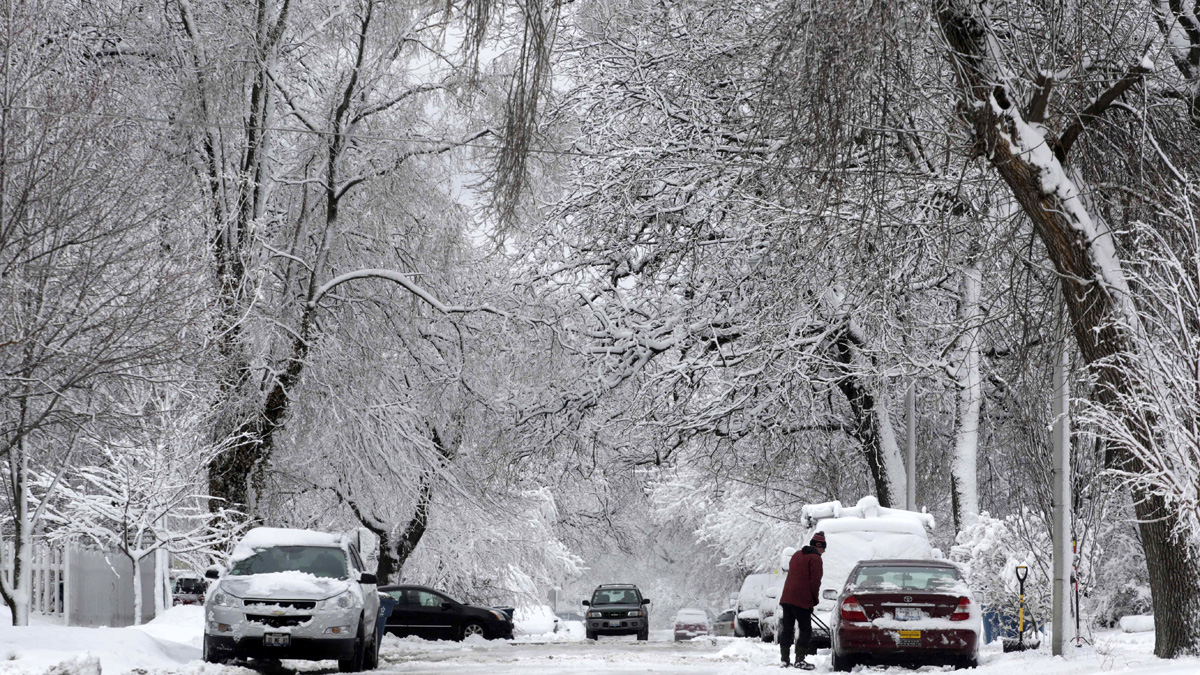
(802, 663)
(785, 653)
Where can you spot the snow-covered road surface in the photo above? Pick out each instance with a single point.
(170, 646)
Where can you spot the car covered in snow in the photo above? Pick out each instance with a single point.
(292, 594)
(768, 607)
(754, 589)
(433, 615)
(618, 609)
(723, 626)
(909, 611)
(690, 623)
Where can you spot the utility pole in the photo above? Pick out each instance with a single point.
(1061, 441)
(910, 446)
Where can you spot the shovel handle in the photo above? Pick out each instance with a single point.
(1022, 573)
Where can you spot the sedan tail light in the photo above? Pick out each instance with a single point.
(852, 611)
(963, 611)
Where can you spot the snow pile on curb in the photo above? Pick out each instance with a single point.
(1137, 623)
(37, 649)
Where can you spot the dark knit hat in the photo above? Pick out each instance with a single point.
(818, 541)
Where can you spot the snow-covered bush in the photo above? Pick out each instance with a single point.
(990, 549)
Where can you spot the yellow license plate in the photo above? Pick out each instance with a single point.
(910, 635)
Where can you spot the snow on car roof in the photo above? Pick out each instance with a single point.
(698, 613)
(867, 509)
(270, 537)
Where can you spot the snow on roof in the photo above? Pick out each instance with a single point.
(867, 508)
(269, 537)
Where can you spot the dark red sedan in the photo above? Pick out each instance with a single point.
(907, 611)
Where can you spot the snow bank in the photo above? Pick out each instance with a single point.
(1137, 623)
(36, 649)
(183, 624)
(534, 620)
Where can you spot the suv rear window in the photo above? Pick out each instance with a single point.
(904, 577)
(321, 561)
(616, 596)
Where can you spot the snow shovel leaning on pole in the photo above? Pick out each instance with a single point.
(1018, 643)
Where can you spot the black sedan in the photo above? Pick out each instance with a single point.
(433, 615)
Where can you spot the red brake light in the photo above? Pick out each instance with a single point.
(852, 611)
(963, 611)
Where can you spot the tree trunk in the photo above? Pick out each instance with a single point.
(968, 380)
(1105, 323)
(137, 589)
(872, 427)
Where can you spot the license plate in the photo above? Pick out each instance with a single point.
(276, 640)
(908, 614)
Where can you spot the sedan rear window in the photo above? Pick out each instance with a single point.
(904, 577)
(321, 561)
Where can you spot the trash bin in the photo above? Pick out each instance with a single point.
(386, 604)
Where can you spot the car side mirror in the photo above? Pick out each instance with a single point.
(367, 578)
(586, 603)
(772, 593)
(829, 594)
(213, 572)
(645, 601)
(980, 597)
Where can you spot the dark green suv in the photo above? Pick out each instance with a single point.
(618, 609)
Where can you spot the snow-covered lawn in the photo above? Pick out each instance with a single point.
(171, 644)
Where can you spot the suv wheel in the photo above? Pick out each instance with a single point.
(591, 635)
(354, 664)
(644, 635)
(210, 655)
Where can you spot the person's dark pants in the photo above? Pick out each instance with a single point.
(791, 615)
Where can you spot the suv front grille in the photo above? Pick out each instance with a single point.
(286, 604)
(616, 615)
(278, 621)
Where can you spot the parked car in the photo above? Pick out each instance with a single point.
(724, 625)
(433, 615)
(188, 589)
(860, 533)
(768, 607)
(912, 611)
(754, 587)
(690, 623)
(618, 609)
(292, 594)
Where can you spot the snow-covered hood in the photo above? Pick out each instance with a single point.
(284, 586)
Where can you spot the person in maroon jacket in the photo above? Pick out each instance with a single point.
(801, 592)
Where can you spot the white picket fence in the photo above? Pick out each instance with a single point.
(49, 571)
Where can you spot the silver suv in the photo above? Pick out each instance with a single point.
(292, 594)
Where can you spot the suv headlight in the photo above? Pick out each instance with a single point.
(594, 615)
(503, 618)
(222, 599)
(637, 612)
(344, 600)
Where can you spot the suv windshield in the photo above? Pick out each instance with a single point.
(321, 561)
(616, 596)
(905, 578)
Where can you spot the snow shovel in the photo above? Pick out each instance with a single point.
(1018, 644)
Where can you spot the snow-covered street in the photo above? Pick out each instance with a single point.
(170, 644)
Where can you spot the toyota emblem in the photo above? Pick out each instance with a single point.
(908, 598)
